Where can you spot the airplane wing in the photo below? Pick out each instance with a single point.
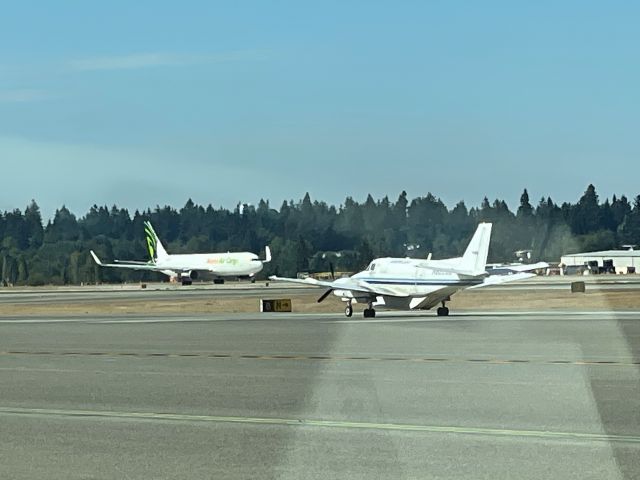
(345, 284)
(131, 262)
(452, 270)
(501, 279)
(129, 265)
(527, 267)
(303, 281)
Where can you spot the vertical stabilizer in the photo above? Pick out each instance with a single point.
(157, 251)
(475, 256)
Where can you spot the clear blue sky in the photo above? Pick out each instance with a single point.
(148, 102)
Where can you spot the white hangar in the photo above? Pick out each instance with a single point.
(622, 261)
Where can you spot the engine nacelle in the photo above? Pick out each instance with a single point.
(191, 275)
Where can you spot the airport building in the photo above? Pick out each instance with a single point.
(607, 261)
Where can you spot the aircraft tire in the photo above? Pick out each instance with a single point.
(348, 311)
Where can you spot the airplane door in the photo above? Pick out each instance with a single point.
(417, 273)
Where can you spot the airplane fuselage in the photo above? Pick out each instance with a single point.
(416, 283)
(187, 267)
(222, 264)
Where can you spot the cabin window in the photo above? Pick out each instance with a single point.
(373, 266)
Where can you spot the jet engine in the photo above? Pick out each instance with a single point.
(186, 278)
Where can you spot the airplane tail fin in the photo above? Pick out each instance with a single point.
(154, 245)
(475, 256)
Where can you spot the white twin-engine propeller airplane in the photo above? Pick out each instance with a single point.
(186, 267)
(415, 284)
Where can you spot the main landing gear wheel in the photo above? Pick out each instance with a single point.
(443, 311)
(348, 310)
(369, 312)
(186, 283)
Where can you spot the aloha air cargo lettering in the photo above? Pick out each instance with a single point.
(223, 261)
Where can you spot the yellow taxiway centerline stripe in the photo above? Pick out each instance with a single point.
(588, 437)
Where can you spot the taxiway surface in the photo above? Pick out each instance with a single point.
(166, 291)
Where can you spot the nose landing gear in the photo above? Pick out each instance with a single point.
(348, 310)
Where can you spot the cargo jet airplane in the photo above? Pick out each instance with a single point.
(416, 284)
(186, 267)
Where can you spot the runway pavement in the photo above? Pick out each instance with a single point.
(476, 395)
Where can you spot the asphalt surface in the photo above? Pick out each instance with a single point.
(479, 395)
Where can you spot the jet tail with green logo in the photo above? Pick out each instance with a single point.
(157, 251)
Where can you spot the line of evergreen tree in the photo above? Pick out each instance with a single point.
(305, 235)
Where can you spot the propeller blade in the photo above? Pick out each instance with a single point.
(325, 295)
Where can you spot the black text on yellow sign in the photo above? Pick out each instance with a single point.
(279, 305)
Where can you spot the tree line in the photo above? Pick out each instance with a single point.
(307, 235)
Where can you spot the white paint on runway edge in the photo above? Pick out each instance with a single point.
(301, 422)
